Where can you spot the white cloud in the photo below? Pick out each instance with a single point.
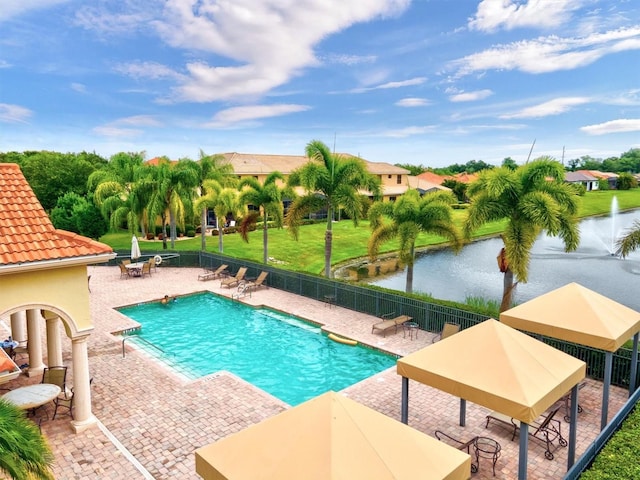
(614, 126)
(267, 42)
(117, 18)
(412, 102)
(121, 127)
(79, 87)
(116, 132)
(14, 8)
(550, 54)
(139, 121)
(388, 85)
(147, 70)
(14, 113)
(253, 112)
(345, 59)
(552, 107)
(493, 14)
(471, 96)
(407, 131)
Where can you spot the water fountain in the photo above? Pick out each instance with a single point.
(473, 272)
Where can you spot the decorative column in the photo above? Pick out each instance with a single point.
(34, 346)
(19, 326)
(82, 416)
(54, 344)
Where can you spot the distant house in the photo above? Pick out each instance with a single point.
(424, 186)
(393, 180)
(583, 178)
(611, 178)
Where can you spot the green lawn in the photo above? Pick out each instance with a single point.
(349, 242)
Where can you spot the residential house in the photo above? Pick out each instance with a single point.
(611, 178)
(583, 178)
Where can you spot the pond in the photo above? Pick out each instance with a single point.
(474, 272)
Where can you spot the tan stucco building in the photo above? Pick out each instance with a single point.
(44, 285)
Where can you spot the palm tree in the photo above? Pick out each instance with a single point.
(223, 200)
(268, 198)
(331, 182)
(630, 241)
(211, 167)
(410, 215)
(174, 185)
(116, 193)
(532, 199)
(24, 453)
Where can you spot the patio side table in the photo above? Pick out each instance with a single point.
(485, 447)
(412, 328)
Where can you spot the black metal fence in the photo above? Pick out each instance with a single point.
(361, 298)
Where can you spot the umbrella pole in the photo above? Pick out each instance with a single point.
(524, 451)
(634, 365)
(608, 367)
(573, 427)
(404, 408)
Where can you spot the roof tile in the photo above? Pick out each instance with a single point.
(26, 232)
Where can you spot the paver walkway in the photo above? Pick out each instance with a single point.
(151, 420)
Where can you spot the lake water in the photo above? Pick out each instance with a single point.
(474, 271)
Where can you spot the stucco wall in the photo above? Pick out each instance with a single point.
(63, 291)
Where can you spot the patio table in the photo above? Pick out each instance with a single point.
(134, 269)
(32, 396)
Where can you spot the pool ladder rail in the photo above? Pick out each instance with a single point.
(242, 291)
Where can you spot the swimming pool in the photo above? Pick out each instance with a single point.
(291, 359)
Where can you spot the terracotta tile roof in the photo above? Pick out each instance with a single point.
(26, 233)
(432, 177)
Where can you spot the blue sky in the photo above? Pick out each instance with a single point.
(431, 82)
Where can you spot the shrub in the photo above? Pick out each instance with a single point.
(191, 232)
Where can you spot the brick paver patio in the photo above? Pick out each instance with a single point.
(151, 420)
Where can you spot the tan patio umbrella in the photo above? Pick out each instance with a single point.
(576, 314)
(331, 437)
(498, 367)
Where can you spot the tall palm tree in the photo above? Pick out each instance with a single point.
(211, 167)
(116, 194)
(24, 453)
(223, 200)
(532, 199)
(409, 216)
(331, 182)
(173, 187)
(268, 198)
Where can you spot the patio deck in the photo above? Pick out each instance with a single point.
(152, 420)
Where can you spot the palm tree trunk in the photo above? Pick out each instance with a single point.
(507, 290)
(265, 242)
(220, 233)
(328, 240)
(409, 284)
(203, 230)
(172, 229)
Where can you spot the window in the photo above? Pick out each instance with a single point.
(399, 179)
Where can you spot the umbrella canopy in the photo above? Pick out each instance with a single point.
(331, 437)
(135, 248)
(576, 314)
(579, 315)
(498, 367)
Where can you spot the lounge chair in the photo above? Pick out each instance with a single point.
(257, 283)
(390, 323)
(566, 400)
(9, 370)
(448, 329)
(548, 430)
(211, 275)
(234, 281)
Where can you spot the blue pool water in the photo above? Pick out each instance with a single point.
(289, 358)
